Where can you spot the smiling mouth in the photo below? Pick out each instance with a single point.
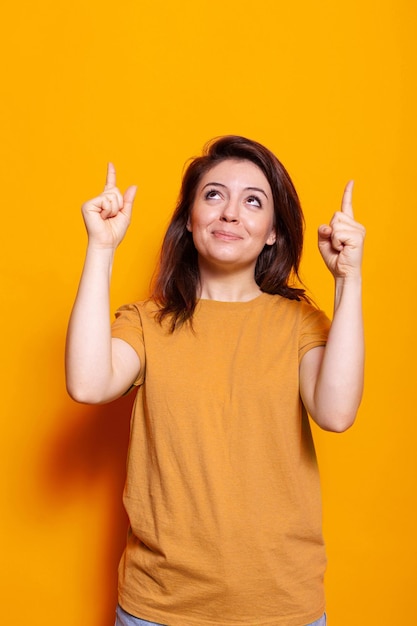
(225, 235)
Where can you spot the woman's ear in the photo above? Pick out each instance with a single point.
(188, 225)
(272, 238)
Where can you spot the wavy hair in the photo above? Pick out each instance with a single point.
(177, 280)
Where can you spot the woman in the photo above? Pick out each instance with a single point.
(228, 356)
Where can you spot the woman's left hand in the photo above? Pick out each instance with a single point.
(341, 242)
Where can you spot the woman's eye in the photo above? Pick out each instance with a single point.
(254, 201)
(212, 194)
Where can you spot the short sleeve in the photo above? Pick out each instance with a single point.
(128, 326)
(315, 326)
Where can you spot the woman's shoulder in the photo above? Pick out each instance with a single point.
(136, 313)
(290, 309)
(139, 306)
(277, 300)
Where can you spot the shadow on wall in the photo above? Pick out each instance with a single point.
(91, 449)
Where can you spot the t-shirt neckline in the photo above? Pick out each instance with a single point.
(234, 304)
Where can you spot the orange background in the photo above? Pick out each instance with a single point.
(331, 88)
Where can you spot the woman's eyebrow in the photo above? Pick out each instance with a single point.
(217, 184)
(256, 189)
(246, 188)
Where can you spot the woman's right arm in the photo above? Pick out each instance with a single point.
(98, 368)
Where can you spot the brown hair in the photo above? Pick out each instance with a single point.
(177, 281)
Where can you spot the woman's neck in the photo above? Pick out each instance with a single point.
(233, 287)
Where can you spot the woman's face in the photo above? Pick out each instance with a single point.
(232, 217)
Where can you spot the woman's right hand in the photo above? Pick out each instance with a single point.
(107, 216)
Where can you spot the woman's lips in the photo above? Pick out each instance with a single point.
(226, 235)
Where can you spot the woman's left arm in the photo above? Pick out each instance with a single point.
(331, 378)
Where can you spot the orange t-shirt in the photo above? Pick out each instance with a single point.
(222, 488)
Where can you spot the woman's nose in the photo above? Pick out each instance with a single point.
(230, 212)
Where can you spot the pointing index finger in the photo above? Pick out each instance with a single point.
(111, 177)
(347, 199)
